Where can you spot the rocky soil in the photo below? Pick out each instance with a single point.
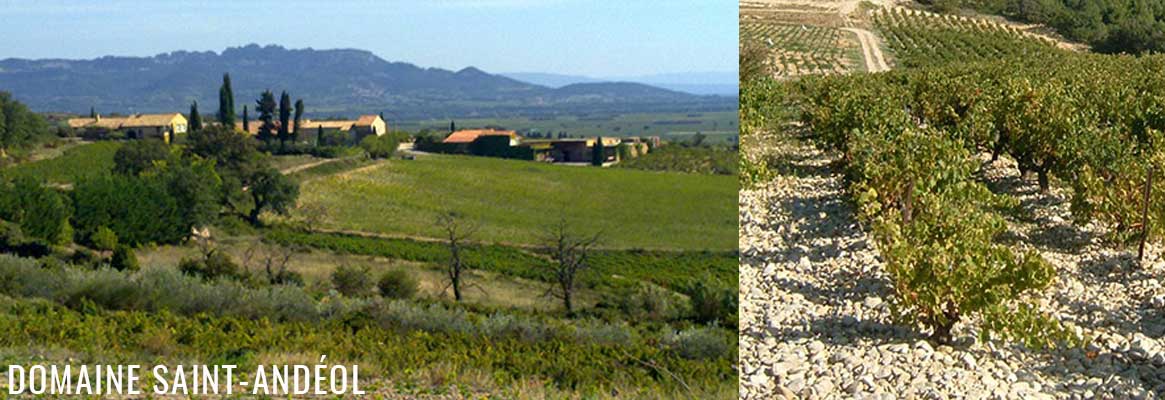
(815, 321)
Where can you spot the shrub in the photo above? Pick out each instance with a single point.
(397, 284)
(86, 258)
(647, 302)
(352, 281)
(138, 209)
(379, 146)
(713, 303)
(124, 259)
(698, 343)
(103, 239)
(41, 212)
(214, 265)
(140, 155)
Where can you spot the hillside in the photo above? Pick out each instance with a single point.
(516, 200)
(331, 82)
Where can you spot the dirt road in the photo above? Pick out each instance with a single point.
(871, 52)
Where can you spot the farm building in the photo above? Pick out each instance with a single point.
(572, 150)
(467, 136)
(160, 126)
(358, 129)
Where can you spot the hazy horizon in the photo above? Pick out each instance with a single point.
(618, 39)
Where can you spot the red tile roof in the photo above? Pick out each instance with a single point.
(366, 120)
(469, 135)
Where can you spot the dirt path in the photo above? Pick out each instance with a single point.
(301, 167)
(871, 52)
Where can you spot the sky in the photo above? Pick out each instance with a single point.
(597, 38)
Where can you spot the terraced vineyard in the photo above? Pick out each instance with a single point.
(798, 49)
(919, 39)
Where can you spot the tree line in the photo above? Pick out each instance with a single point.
(1109, 26)
(20, 128)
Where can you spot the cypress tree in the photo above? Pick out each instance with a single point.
(226, 102)
(284, 118)
(452, 126)
(195, 118)
(246, 120)
(266, 107)
(319, 135)
(92, 113)
(298, 119)
(598, 152)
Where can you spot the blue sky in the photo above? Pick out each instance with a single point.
(594, 38)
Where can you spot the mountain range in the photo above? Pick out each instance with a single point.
(335, 82)
(699, 83)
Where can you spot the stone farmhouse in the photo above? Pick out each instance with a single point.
(137, 126)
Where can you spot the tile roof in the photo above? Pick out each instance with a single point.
(469, 135)
(366, 120)
(133, 121)
(341, 125)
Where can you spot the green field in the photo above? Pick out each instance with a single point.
(83, 161)
(513, 201)
(717, 125)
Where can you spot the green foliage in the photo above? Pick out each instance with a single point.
(352, 281)
(1109, 26)
(195, 187)
(908, 142)
(919, 40)
(720, 160)
(298, 119)
(332, 137)
(77, 163)
(140, 155)
(114, 314)
(598, 152)
(19, 127)
(211, 266)
(226, 103)
(271, 191)
(266, 107)
(712, 303)
(380, 146)
(195, 120)
(139, 209)
(397, 284)
(103, 239)
(698, 343)
(124, 259)
(42, 213)
(646, 302)
(284, 117)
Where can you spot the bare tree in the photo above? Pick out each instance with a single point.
(570, 253)
(456, 231)
(273, 261)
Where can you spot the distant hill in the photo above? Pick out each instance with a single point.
(698, 83)
(549, 80)
(331, 82)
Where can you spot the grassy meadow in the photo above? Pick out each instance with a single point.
(513, 202)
